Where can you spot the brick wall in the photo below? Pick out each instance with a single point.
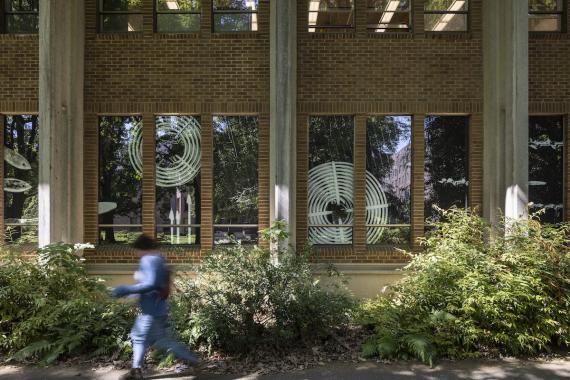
(151, 74)
(354, 72)
(360, 73)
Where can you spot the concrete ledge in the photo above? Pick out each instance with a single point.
(347, 268)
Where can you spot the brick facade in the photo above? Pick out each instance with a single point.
(353, 72)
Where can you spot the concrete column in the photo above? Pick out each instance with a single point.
(283, 98)
(61, 42)
(505, 56)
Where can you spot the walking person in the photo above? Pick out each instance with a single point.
(151, 327)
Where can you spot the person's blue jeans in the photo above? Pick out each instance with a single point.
(149, 331)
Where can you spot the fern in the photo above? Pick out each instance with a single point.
(421, 347)
(369, 348)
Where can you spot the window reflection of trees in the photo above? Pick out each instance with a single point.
(21, 207)
(331, 139)
(546, 167)
(446, 160)
(388, 158)
(119, 182)
(235, 178)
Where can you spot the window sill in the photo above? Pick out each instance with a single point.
(548, 36)
(237, 35)
(407, 35)
(120, 36)
(175, 36)
(18, 37)
(448, 35)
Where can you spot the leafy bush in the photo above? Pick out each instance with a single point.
(467, 294)
(240, 300)
(51, 308)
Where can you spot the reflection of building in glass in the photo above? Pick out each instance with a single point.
(400, 174)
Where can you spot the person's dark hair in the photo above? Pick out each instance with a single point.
(145, 243)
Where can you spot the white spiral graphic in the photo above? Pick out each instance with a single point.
(331, 183)
(183, 169)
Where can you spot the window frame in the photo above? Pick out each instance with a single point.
(213, 225)
(4, 13)
(214, 12)
(139, 226)
(198, 226)
(156, 13)
(467, 14)
(468, 171)
(101, 13)
(563, 20)
(396, 225)
(352, 226)
(3, 120)
(376, 30)
(331, 28)
(565, 157)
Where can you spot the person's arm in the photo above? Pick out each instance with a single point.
(148, 269)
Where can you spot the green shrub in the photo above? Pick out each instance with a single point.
(467, 294)
(51, 308)
(240, 300)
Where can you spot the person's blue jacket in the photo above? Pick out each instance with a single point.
(153, 279)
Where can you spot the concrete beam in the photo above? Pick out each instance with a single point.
(61, 55)
(283, 98)
(505, 63)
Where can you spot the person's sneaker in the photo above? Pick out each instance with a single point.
(133, 374)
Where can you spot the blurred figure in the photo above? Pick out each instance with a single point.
(151, 327)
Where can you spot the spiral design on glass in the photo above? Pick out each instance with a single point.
(331, 183)
(182, 169)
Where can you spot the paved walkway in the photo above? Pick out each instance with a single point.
(446, 370)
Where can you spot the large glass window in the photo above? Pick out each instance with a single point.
(446, 163)
(235, 179)
(330, 184)
(388, 15)
(120, 179)
(178, 16)
(21, 16)
(446, 15)
(330, 14)
(21, 179)
(235, 15)
(118, 16)
(178, 179)
(388, 179)
(545, 15)
(546, 167)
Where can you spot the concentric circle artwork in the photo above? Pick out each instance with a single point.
(181, 168)
(331, 187)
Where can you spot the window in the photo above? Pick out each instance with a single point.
(388, 15)
(21, 16)
(446, 157)
(388, 179)
(330, 183)
(546, 167)
(235, 15)
(120, 179)
(330, 14)
(235, 179)
(177, 16)
(545, 15)
(178, 179)
(21, 144)
(117, 16)
(446, 15)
